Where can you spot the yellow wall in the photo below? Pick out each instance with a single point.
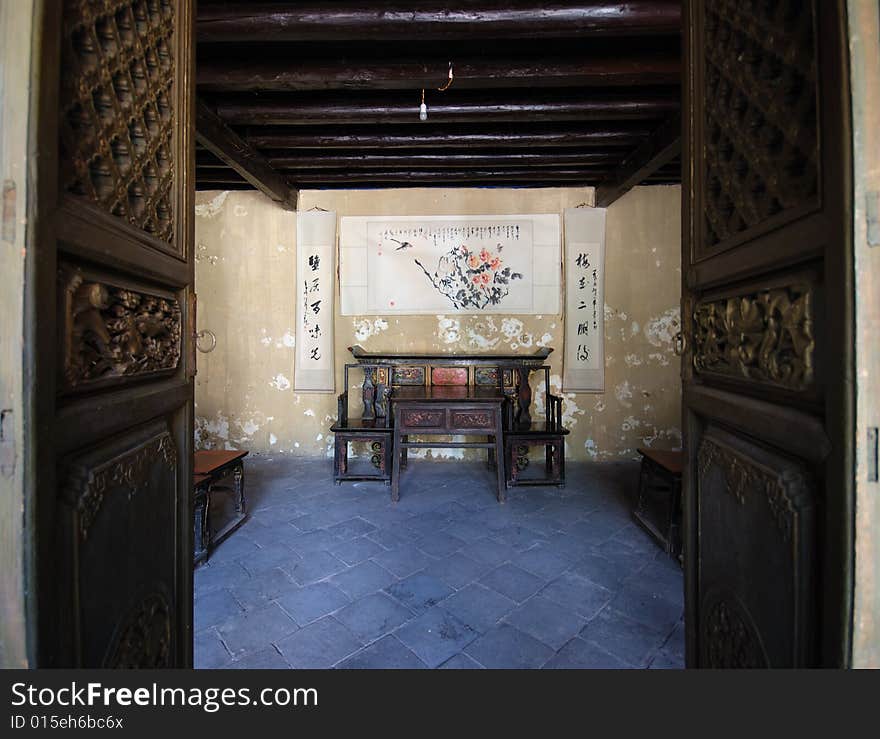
(245, 272)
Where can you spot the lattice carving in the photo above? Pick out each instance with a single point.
(761, 137)
(144, 640)
(117, 110)
(766, 337)
(113, 331)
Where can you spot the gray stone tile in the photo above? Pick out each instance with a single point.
(351, 528)
(436, 635)
(488, 551)
(461, 662)
(319, 645)
(419, 592)
(427, 523)
(623, 637)
(264, 659)
(213, 608)
(253, 630)
(675, 642)
(404, 560)
(512, 581)
(373, 616)
(609, 573)
(665, 660)
(660, 578)
(356, 550)
(457, 570)
(478, 606)
(363, 579)
(580, 655)
(519, 537)
(311, 602)
(651, 610)
(208, 651)
(315, 566)
(214, 575)
(233, 548)
(439, 544)
(268, 557)
(388, 653)
(388, 539)
(262, 588)
(542, 561)
(547, 621)
(506, 647)
(313, 541)
(465, 530)
(582, 596)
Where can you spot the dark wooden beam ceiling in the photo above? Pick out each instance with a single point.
(327, 94)
(662, 147)
(213, 134)
(390, 20)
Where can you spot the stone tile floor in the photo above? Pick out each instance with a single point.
(326, 576)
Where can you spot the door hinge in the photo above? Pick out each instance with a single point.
(7, 444)
(873, 451)
(872, 217)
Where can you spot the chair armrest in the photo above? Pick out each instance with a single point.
(342, 409)
(555, 418)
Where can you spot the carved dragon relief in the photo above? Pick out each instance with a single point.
(743, 477)
(112, 331)
(128, 472)
(766, 337)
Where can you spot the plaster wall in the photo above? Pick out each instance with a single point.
(245, 280)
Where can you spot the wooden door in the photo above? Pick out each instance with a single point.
(767, 306)
(112, 395)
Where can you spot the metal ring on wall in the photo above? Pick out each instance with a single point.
(201, 334)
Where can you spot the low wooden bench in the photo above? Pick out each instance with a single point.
(658, 501)
(211, 470)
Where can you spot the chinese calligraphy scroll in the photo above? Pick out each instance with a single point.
(450, 264)
(584, 369)
(315, 277)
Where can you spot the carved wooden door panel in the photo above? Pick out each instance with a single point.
(766, 316)
(113, 389)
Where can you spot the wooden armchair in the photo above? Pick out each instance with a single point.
(549, 433)
(372, 428)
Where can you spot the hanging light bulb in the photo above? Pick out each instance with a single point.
(423, 109)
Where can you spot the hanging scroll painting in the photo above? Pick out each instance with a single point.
(584, 359)
(450, 264)
(315, 278)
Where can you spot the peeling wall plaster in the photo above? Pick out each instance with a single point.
(245, 281)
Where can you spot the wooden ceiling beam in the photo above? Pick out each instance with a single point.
(462, 107)
(224, 143)
(659, 149)
(446, 160)
(389, 20)
(429, 136)
(354, 177)
(284, 74)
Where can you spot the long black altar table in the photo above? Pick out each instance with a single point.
(448, 410)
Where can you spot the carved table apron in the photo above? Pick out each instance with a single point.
(447, 410)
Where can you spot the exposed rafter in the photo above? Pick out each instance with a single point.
(582, 70)
(389, 20)
(436, 137)
(658, 150)
(470, 106)
(220, 140)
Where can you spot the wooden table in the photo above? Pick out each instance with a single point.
(211, 466)
(447, 410)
